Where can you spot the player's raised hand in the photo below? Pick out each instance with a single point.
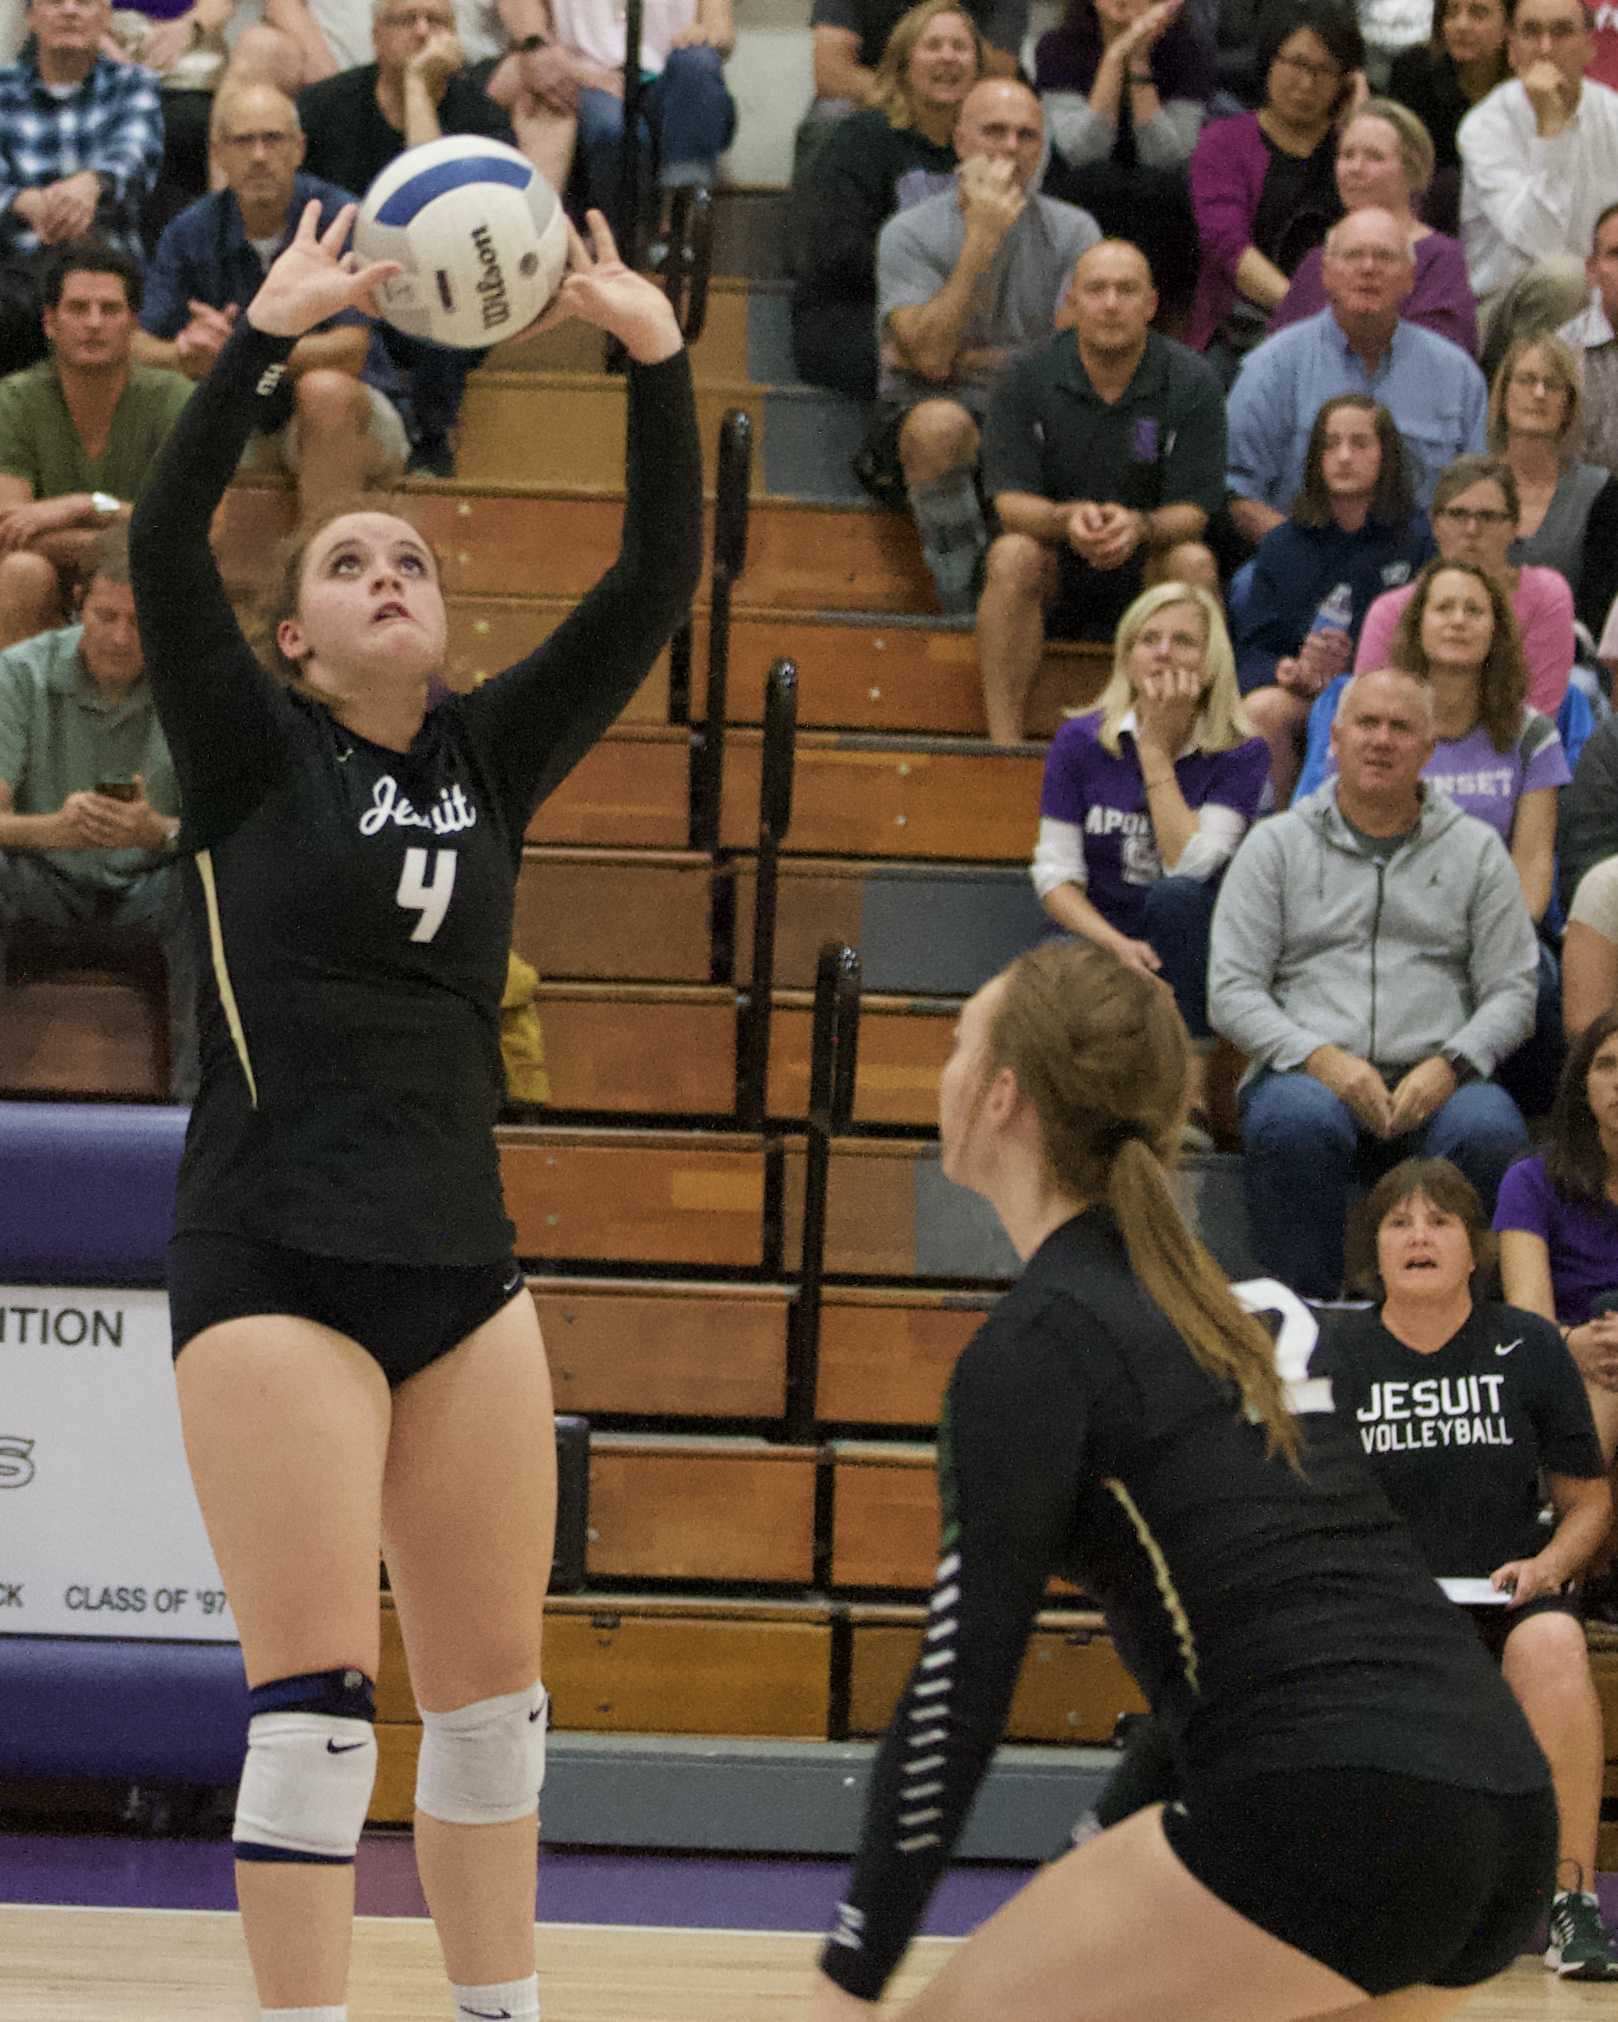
(314, 277)
(601, 290)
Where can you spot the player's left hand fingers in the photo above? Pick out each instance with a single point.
(333, 239)
(601, 238)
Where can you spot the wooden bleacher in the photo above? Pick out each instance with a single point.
(742, 1580)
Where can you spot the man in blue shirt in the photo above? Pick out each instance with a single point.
(334, 422)
(1359, 344)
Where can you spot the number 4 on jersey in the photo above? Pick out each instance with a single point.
(429, 896)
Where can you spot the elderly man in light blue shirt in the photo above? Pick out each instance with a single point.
(1358, 344)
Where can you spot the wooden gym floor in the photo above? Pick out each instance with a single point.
(93, 1965)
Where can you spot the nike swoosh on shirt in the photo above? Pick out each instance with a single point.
(1508, 1347)
(489, 2014)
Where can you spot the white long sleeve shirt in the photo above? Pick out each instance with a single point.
(1525, 198)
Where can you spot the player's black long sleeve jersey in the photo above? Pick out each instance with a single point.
(1273, 1620)
(354, 904)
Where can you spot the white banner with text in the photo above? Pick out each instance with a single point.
(100, 1533)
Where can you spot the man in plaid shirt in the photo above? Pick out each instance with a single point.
(81, 138)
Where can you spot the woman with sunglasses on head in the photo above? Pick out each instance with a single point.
(1475, 516)
(1365, 1826)
(358, 1363)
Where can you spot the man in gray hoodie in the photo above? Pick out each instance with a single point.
(1373, 958)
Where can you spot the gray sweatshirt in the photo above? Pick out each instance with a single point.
(1315, 943)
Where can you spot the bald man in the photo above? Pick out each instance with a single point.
(1104, 454)
(965, 281)
(334, 423)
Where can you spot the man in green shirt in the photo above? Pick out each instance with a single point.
(78, 433)
(88, 801)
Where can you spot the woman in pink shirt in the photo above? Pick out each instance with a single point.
(1474, 518)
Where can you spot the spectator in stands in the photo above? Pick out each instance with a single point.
(848, 39)
(1441, 80)
(1126, 84)
(1590, 956)
(1539, 163)
(1375, 876)
(1146, 797)
(1354, 531)
(1103, 455)
(897, 150)
(1263, 185)
(1592, 336)
(1494, 755)
(418, 89)
(79, 433)
(333, 423)
(1559, 1232)
(88, 805)
(80, 141)
(688, 117)
(1385, 161)
(1474, 516)
(1587, 821)
(965, 281)
(1415, 1374)
(1569, 517)
(1556, 1220)
(1359, 344)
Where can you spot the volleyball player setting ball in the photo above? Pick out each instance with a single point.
(1365, 1826)
(358, 1361)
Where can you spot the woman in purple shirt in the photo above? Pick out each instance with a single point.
(1262, 185)
(1147, 795)
(1385, 161)
(1557, 1219)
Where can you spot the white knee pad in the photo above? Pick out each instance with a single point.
(306, 1785)
(484, 1764)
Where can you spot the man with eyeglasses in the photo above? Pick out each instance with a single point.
(1359, 343)
(418, 89)
(1539, 162)
(332, 420)
(81, 138)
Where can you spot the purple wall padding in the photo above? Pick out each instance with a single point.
(86, 1192)
(158, 1712)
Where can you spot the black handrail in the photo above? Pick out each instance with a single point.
(729, 559)
(688, 265)
(833, 1053)
(627, 217)
(774, 819)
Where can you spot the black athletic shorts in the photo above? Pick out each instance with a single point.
(404, 1315)
(1494, 1625)
(1392, 1881)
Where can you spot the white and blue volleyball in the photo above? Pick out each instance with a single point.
(479, 234)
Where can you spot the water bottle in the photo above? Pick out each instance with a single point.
(1337, 612)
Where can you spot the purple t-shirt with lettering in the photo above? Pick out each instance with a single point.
(1105, 800)
(1581, 1236)
(1489, 783)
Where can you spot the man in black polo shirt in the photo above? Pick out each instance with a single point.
(1104, 454)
